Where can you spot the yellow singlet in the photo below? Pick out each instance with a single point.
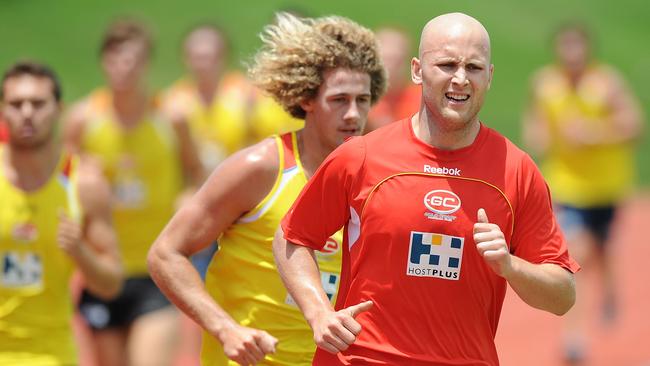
(243, 278)
(35, 301)
(577, 175)
(143, 168)
(220, 128)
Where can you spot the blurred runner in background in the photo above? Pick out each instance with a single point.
(148, 161)
(55, 216)
(583, 122)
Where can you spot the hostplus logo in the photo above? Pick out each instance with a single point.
(441, 204)
(435, 255)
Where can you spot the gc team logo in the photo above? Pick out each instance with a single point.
(329, 251)
(331, 247)
(442, 202)
(25, 232)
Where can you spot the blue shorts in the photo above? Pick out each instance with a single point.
(596, 220)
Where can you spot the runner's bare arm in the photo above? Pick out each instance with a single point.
(535, 129)
(626, 112)
(92, 243)
(334, 331)
(73, 126)
(193, 170)
(234, 188)
(543, 286)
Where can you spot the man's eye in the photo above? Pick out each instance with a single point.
(38, 103)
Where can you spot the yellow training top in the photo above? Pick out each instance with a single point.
(243, 279)
(35, 301)
(220, 128)
(143, 167)
(269, 118)
(582, 176)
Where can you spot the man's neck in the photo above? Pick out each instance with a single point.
(29, 169)
(312, 151)
(130, 105)
(436, 134)
(207, 89)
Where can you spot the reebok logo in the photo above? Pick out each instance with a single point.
(441, 170)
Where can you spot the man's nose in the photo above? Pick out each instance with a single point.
(27, 109)
(460, 76)
(353, 111)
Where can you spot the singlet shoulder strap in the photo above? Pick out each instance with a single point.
(287, 140)
(68, 176)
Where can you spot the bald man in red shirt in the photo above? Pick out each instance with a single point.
(441, 214)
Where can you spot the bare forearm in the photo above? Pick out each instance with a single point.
(543, 286)
(181, 283)
(299, 272)
(535, 134)
(102, 274)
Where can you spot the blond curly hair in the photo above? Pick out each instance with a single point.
(296, 52)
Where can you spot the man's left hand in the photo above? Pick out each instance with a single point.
(491, 244)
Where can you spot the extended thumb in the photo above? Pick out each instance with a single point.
(482, 216)
(359, 308)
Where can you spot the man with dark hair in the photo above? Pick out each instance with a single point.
(54, 217)
(147, 161)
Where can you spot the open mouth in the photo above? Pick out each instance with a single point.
(456, 97)
(349, 131)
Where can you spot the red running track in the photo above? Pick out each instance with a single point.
(533, 338)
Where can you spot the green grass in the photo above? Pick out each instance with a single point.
(65, 34)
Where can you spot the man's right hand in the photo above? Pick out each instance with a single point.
(246, 346)
(335, 331)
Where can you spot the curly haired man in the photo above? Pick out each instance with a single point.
(328, 72)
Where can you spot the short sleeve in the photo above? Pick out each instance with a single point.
(322, 207)
(537, 237)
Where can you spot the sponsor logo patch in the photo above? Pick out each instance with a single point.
(435, 255)
(25, 232)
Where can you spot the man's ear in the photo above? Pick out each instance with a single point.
(307, 105)
(416, 71)
(491, 74)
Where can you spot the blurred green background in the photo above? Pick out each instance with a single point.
(65, 34)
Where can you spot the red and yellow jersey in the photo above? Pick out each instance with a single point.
(577, 174)
(142, 164)
(408, 211)
(219, 127)
(35, 301)
(243, 278)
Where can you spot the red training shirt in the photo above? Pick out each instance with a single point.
(409, 210)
